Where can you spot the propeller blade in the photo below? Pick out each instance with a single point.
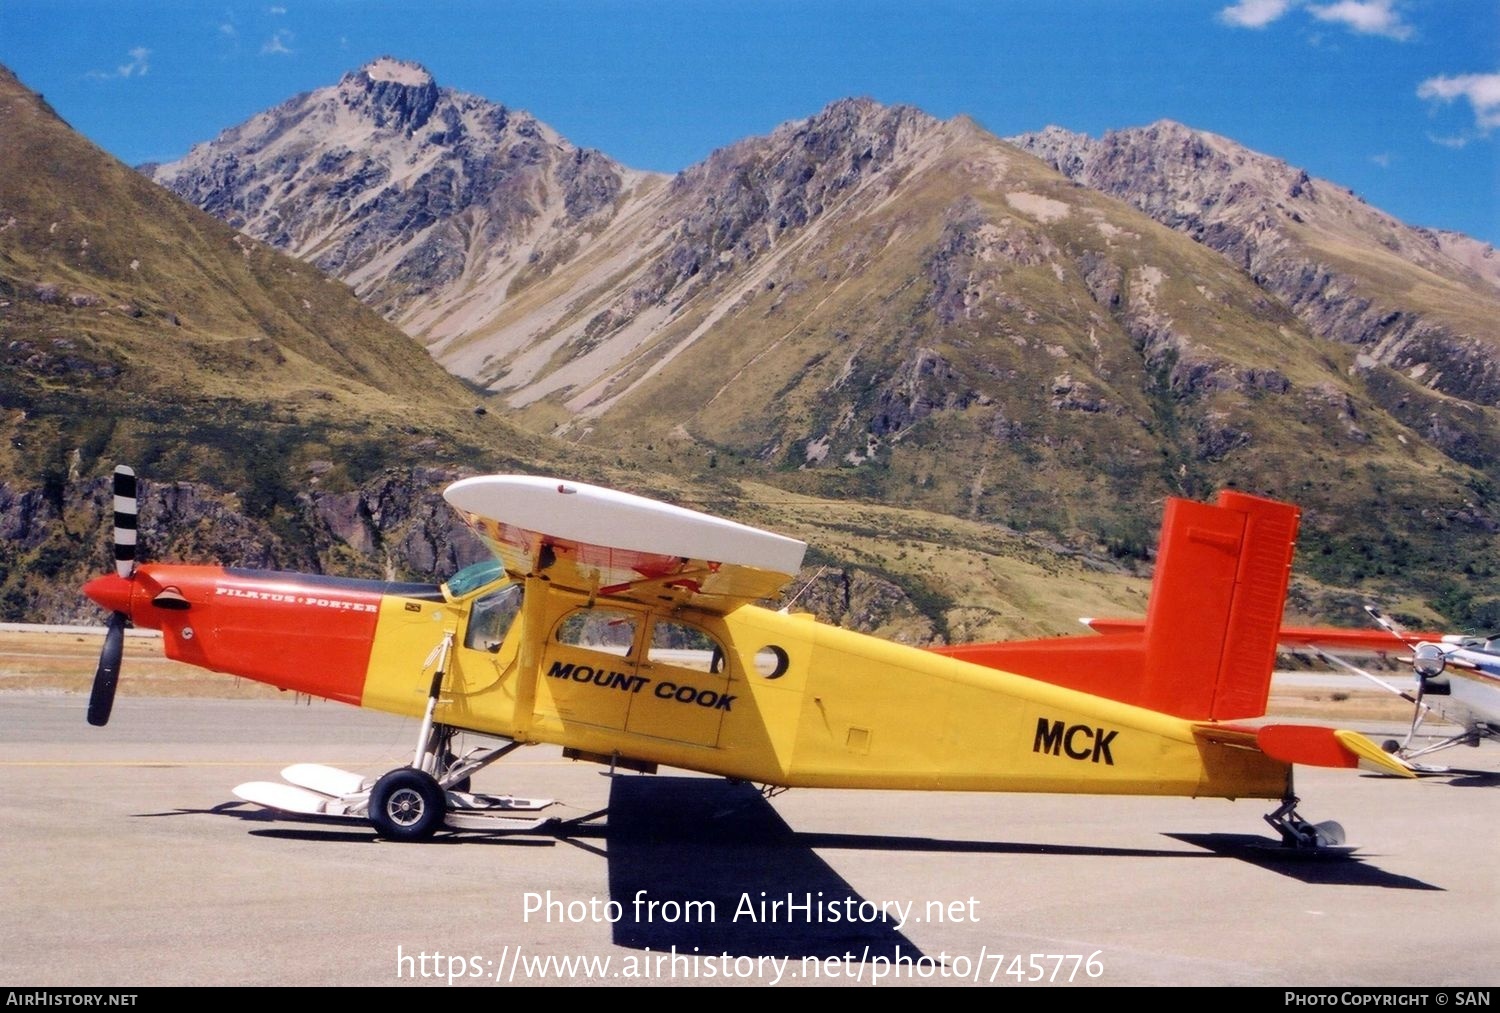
(107, 676)
(1419, 709)
(125, 521)
(1388, 624)
(1418, 712)
(1341, 663)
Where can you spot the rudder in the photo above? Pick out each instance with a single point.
(1216, 604)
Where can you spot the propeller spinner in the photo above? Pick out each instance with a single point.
(114, 593)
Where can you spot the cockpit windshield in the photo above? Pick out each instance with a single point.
(472, 578)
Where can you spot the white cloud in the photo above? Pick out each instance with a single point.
(277, 44)
(275, 10)
(228, 30)
(1481, 91)
(138, 66)
(1254, 13)
(1366, 17)
(1383, 159)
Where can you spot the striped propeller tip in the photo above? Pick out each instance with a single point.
(126, 520)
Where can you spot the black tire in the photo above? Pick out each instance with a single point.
(407, 805)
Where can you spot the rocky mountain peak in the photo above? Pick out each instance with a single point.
(392, 182)
(389, 68)
(865, 111)
(826, 153)
(1165, 129)
(748, 197)
(867, 128)
(395, 94)
(1163, 147)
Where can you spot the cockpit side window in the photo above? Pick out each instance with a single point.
(472, 578)
(491, 617)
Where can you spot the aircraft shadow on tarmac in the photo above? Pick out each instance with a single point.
(694, 863)
(328, 828)
(1458, 778)
(713, 856)
(1336, 869)
(676, 840)
(707, 849)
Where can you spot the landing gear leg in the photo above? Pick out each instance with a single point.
(1469, 737)
(410, 803)
(1297, 833)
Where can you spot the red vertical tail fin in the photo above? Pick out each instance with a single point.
(1216, 603)
(1208, 646)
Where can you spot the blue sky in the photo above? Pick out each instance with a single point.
(1397, 99)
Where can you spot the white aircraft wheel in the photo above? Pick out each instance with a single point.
(407, 805)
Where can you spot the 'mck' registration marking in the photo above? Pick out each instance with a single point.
(1078, 742)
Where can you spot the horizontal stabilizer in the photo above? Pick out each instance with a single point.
(1372, 757)
(1328, 637)
(1310, 745)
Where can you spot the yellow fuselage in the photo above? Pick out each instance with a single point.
(785, 700)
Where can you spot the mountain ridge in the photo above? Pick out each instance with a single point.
(872, 303)
(274, 422)
(1316, 246)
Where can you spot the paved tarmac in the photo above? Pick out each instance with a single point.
(127, 861)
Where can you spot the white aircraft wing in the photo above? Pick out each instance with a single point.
(616, 544)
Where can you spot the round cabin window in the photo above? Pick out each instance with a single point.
(771, 661)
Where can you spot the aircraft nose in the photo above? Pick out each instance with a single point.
(111, 592)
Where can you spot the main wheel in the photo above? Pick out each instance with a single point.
(407, 805)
